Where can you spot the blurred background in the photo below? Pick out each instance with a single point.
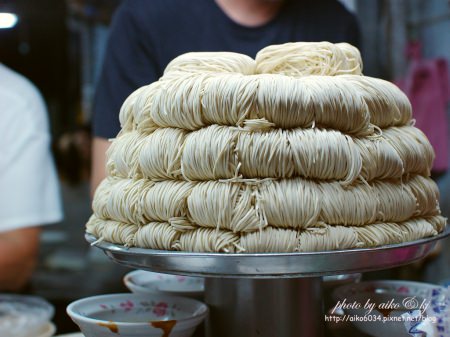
(59, 46)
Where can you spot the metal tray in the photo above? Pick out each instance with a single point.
(270, 265)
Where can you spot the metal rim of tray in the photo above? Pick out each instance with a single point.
(270, 265)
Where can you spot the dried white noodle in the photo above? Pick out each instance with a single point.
(246, 206)
(213, 62)
(156, 235)
(295, 151)
(220, 152)
(270, 239)
(309, 58)
(160, 156)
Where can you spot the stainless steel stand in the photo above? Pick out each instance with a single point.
(264, 307)
(270, 294)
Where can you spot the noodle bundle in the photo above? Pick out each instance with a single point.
(293, 151)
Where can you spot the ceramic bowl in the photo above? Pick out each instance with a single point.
(137, 315)
(48, 330)
(375, 307)
(341, 279)
(23, 316)
(329, 283)
(145, 282)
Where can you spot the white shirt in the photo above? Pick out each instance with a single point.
(29, 190)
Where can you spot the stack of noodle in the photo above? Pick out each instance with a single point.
(293, 151)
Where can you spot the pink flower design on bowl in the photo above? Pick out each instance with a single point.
(160, 309)
(403, 290)
(127, 305)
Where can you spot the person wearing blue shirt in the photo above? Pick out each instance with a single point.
(146, 35)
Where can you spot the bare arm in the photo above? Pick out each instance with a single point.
(18, 256)
(98, 173)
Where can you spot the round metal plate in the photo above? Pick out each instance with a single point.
(270, 265)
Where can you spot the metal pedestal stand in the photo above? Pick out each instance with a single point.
(271, 294)
(264, 307)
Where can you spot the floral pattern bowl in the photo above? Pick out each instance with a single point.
(135, 315)
(146, 282)
(376, 307)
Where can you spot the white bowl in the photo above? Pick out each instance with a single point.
(48, 330)
(136, 315)
(341, 279)
(388, 301)
(332, 282)
(145, 282)
(23, 316)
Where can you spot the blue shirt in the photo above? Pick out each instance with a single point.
(147, 34)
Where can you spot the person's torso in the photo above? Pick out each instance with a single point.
(178, 26)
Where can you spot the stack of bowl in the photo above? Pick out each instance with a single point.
(160, 305)
(25, 316)
(145, 282)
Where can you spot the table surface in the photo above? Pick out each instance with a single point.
(342, 330)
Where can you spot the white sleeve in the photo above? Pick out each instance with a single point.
(29, 189)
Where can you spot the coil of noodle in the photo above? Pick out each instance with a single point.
(293, 151)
